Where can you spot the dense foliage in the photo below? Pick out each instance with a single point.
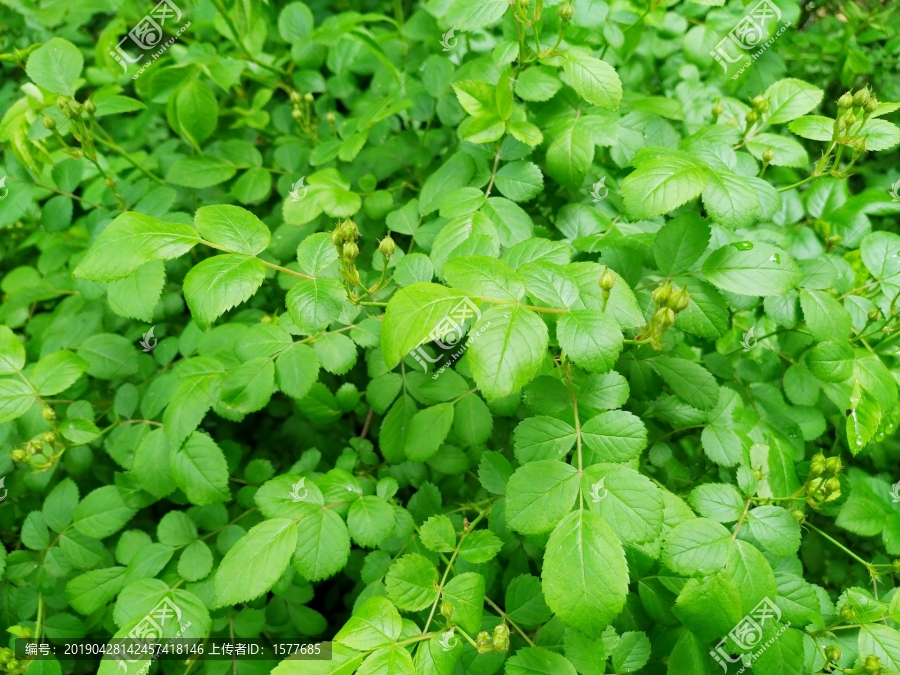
(477, 336)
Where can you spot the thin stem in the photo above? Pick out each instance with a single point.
(487, 193)
(509, 621)
(112, 145)
(737, 528)
(846, 550)
(577, 434)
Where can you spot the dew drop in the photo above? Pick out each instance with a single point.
(743, 245)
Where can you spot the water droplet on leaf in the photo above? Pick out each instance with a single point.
(743, 245)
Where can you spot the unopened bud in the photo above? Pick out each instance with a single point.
(501, 637)
(110, 182)
(19, 455)
(895, 567)
(330, 117)
(446, 610)
(664, 318)
(387, 247)
(607, 280)
(48, 437)
(859, 145)
(296, 97)
(833, 653)
(717, 110)
(872, 105)
(849, 119)
(817, 465)
(308, 98)
(48, 413)
(832, 486)
(566, 12)
(768, 155)
(798, 515)
(75, 108)
(847, 613)
(49, 122)
(679, 300)
(350, 250)
(833, 465)
(266, 319)
(484, 643)
(760, 103)
(662, 293)
(845, 101)
(872, 665)
(90, 107)
(296, 114)
(861, 98)
(874, 314)
(751, 117)
(337, 236)
(62, 102)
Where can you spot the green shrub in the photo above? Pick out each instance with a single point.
(472, 336)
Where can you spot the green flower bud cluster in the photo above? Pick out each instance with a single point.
(669, 302)
(498, 642)
(824, 484)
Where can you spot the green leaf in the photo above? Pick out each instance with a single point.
(825, 317)
(595, 81)
(235, 228)
(411, 582)
(220, 283)
(137, 295)
(129, 241)
(323, 545)
(102, 513)
(12, 353)
(199, 468)
(790, 98)
(538, 661)
(709, 607)
(813, 127)
(539, 495)
(196, 171)
(698, 546)
(468, 15)
(484, 276)
(730, 199)
(253, 565)
(454, 174)
(480, 546)
(720, 502)
(55, 66)
(787, 151)
(376, 623)
(614, 436)
(752, 269)
(16, 398)
(56, 372)
(585, 578)
(520, 181)
(427, 430)
(525, 602)
(662, 185)
(591, 339)
(466, 593)
(830, 361)
(690, 381)
(510, 347)
(631, 652)
(413, 313)
(629, 502)
(388, 661)
(59, 506)
(776, 529)
(92, 590)
(370, 521)
(296, 370)
(570, 154)
(315, 303)
(541, 438)
(197, 110)
(680, 243)
(109, 356)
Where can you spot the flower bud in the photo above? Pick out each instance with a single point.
(845, 101)
(337, 236)
(266, 319)
(484, 643)
(895, 567)
(296, 97)
(446, 610)
(817, 465)
(566, 12)
(859, 145)
(833, 465)
(296, 114)
(760, 103)
(718, 109)
(308, 98)
(48, 437)
(90, 107)
(874, 314)
(861, 98)
(832, 486)
(501, 637)
(768, 155)
(849, 119)
(49, 122)
(110, 182)
(386, 247)
(75, 108)
(679, 300)
(847, 613)
(798, 515)
(662, 293)
(48, 413)
(872, 105)
(62, 102)
(350, 250)
(833, 653)
(872, 665)
(349, 231)
(76, 153)
(607, 280)
(751, 117)
(330, 117)
(19, 455)
(664, 318)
